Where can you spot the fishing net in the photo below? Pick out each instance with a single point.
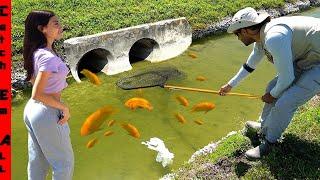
(149, 78)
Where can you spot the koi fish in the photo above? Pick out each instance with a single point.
(134, 103)
(92, 142)
(198, 121)
(91, 76)
(108, 133)
(95, 120)
(132, 130)
(193, 55)
(201, 78)
(111, 123)
(183, 101)
(203, 106)
(180, 118)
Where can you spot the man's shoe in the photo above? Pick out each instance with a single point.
(256, 153)
(253, 126)
(252, 130)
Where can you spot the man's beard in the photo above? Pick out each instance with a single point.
(249, 42)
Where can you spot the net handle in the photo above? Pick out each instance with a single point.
(211, 91)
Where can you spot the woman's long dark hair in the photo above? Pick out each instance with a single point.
(33, 37)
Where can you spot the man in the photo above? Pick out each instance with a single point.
(292, 44)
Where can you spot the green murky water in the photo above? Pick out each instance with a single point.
(121, 156)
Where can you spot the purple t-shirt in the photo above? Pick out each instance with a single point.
(45, 60)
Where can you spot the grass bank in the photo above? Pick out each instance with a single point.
(296, 157)
(84, 17)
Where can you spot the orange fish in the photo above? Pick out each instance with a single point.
(201, 78)
(92, 142)
(95, 120)
(183, 101)
(180, 118)
(108, 133)
(193, 55)
(91, 76)
(134, 103)
(198, 121)
(111, 123)
(133, 131)
(203, 106)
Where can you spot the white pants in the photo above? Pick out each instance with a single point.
(48, 143)
(276, 117)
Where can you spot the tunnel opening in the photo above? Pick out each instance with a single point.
(142, 49)
(94, 61)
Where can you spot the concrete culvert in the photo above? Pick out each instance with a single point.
(94, 60)
(154, 42)
(142, 49)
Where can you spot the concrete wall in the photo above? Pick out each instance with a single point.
(113, 52)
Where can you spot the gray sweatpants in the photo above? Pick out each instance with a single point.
(276, 117)
(48, 143)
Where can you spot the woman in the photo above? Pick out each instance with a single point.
(45, 115)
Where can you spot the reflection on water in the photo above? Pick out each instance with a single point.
(121, 156)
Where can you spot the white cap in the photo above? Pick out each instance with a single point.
(246, 17)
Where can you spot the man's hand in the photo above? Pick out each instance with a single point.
(267, 98)
(225, 89)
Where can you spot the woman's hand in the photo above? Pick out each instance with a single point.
(65, 116)
(225, 89)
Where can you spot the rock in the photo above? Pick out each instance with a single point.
(314, 2)
(13, 93)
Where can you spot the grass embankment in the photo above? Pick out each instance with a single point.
(84, 17)
(296, 157)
